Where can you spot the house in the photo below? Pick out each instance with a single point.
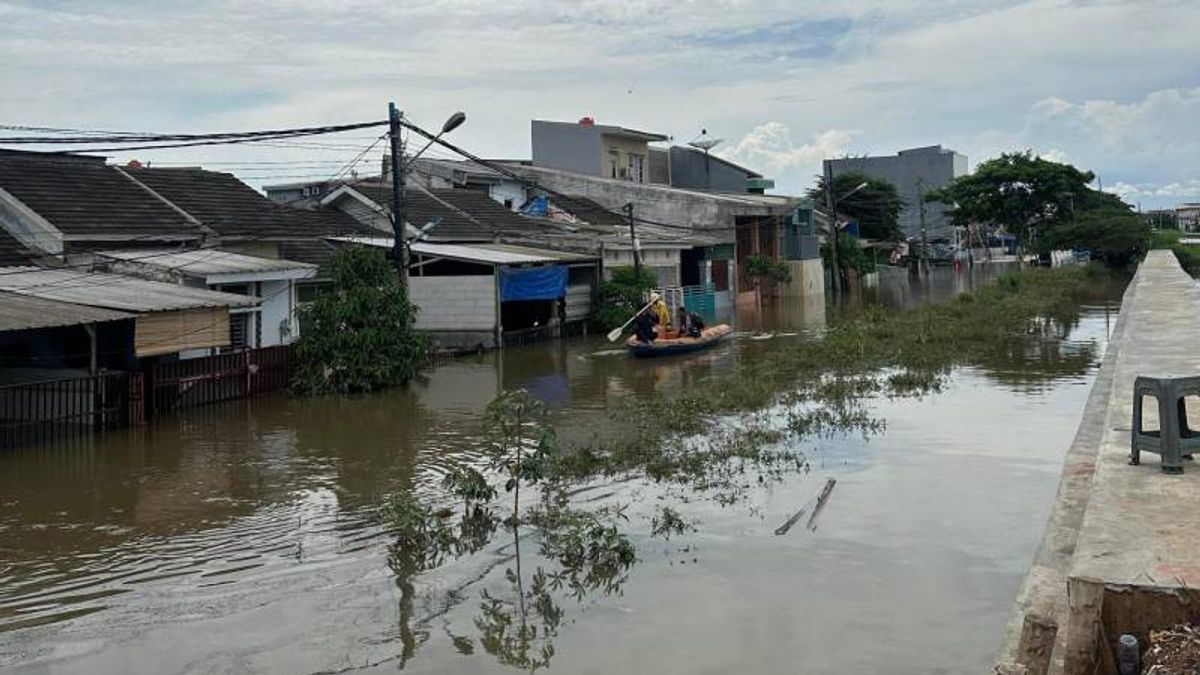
(719, 229)
(80, 213)
(483, 295)
(592, 149)
(243, 221)
(466, 175)
(694, 169)
(456, 215)
(272, 321)
(167, 318)
(913, 172)
(56, 204)
(1187, 217)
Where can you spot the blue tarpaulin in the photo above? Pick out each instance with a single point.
(538, 206)
(533, 283)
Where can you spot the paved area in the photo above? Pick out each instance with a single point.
(1116, 527)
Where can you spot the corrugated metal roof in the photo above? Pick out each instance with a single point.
(22, 312)
(112, 291)
(491, 254)
(202, 262)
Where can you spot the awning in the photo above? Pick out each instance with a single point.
(533, 283)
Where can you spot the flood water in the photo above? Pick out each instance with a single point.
(245, 538)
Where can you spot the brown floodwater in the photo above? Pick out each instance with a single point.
(245, 537)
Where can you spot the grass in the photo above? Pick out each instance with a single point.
(822, 385)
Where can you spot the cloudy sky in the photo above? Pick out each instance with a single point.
(1109, 85)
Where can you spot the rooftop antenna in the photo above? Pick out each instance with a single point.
(705, 143)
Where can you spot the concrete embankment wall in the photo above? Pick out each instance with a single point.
(1107, 531)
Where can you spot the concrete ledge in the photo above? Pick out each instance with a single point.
(1121, 552)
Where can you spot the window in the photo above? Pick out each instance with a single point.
(614, 158)
(239, 331)
(637, 168)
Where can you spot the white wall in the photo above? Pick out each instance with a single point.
(276, 312)
(454, 302)
(510, 190)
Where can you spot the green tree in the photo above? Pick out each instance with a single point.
(360, 336)
(622, 296)
(1118, 239)
(876, 207)
(1026, 194)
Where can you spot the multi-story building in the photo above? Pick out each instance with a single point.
(592, 149)
(1187, 216)
(914, 173)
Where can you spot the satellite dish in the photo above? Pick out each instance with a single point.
(706, 144)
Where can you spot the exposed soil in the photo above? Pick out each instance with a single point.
(1173, 651)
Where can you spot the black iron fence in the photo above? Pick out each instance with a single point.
(61, 408)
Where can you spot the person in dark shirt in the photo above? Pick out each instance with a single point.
(690, 323)
(643, 325)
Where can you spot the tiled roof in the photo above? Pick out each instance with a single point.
(11, 250)
(588, 211)
(234, 209)
(313, 251)
(466, 215)
(83, 196)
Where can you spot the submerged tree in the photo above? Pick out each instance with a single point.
(360, 336)
(875, 206)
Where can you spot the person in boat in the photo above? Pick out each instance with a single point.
(643, 325)
(690, 323)
(661, 314)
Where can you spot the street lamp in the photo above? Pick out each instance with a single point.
(400, 246)
(834, 232)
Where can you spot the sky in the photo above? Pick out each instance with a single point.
(1112, 86)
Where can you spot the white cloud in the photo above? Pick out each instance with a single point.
(1067, 78)
(770, 148)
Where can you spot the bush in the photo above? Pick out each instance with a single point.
(770, 270)
(622, 296)
(1188, 255)
(359, 337)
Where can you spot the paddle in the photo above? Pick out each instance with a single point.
(616, 332)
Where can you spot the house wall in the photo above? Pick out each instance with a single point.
(913, 173)
(687, 171)
(808, 279)
(565, 146)
(455, 303)
(278, 324)
(624, 148)
(664, 263)
(508, 190)
(703, 212)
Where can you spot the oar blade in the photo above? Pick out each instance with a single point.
(614, 334)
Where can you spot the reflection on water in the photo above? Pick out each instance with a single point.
(245, 537)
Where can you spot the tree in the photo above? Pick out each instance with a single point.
(622, 296)
(360, 336)
(875, 207)
(1115, 238)
(1020, 191)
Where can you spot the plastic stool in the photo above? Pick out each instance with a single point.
(1174, 441)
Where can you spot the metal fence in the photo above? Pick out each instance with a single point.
(53, 410)
(194, 382)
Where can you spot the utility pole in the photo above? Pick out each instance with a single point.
(833, 228)
(399, 198)
(633, 241)
(922, 262)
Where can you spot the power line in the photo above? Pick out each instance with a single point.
(113, 137)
